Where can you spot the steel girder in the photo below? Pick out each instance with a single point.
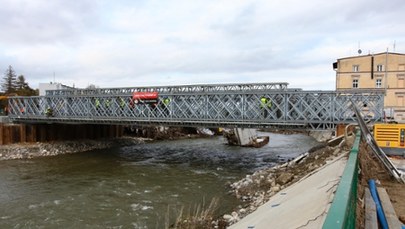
(289, 109)
(173, 89)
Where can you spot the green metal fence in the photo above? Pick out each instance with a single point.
(342, 213)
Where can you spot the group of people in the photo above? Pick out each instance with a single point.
(265, 105)
(121, 102)
(107, 103)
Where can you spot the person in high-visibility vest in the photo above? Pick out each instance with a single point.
(49, 112)
(97, 104)
(107, 105)
(121, 103)
(166, 103)
(265, 105)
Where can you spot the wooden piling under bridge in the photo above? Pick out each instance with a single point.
(20, 133)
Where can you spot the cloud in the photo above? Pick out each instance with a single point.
(124, 43)
(44, 21)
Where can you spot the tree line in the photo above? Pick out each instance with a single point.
(16, 85)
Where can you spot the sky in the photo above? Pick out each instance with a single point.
(131, 43)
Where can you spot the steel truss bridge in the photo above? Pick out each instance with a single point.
(219, 105)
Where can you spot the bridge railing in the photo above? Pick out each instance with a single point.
(342, 212)
(309, 109)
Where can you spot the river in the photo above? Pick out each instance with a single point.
(139, 186)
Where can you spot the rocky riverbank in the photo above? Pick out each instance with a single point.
(256, 189)
(41, 149)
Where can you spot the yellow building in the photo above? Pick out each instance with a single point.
(382, 70)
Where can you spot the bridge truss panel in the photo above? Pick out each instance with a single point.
(209, 88)
(289, 109)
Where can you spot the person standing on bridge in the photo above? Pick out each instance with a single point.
(121, 103)
(265, 106)
(97, 104)
(107, 105)
(166, 103)
(49, 112)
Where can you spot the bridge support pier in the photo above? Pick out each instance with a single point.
(244, 137)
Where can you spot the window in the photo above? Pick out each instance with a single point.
(401, 80)
(380, 68)
(400, 99)
(355, 68)
(401, 83)
(355, 83)
(378, 83)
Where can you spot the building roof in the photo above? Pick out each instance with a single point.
(376, 54)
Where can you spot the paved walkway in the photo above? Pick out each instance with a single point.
(301, 205)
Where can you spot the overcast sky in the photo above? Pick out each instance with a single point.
(144, 43)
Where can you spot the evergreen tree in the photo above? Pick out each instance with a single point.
(16, 85)
(20, 83)
(9, 80)
(22, 87)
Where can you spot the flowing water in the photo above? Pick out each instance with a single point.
(139, 186)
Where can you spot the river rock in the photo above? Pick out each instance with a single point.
(275, 188)
(235, 216)
(270, 181)
(227, 217)
(242, 211)
(261, 177)
(336, 152)
(270, 176)
(284, 178)
(321, 136)
(246, 183)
